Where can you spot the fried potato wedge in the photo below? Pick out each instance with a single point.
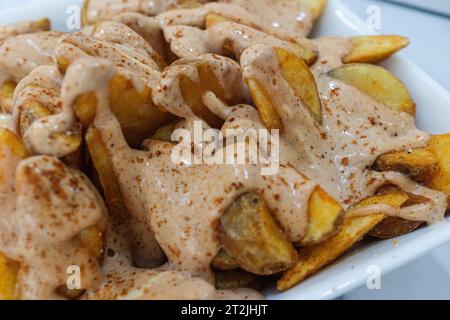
(8, 277)
(316, 6)
(224, 262)
(378, 83)
(104, 167)
(300, 78)
(374, 49)
(440, 146)
(419, 164)
(249, 233)
(134, 109)
(392, 227)
(13, 143)
(8, 268)
(298, 75)
(236, 279)
(6, 95)
(325, 215)
(354, 228)
(193, 94)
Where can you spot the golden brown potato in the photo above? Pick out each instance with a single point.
(312, 259)
(236, 279)
(249, 233)
(419, 164)
(6, 95)
(440, 146)
(325, 215)
(378, 83)
(224, 262)
(193, 93)
(374, 49)
(134, 109)
(267, 111)
(316, 6)
(8, 277)
(300, 78)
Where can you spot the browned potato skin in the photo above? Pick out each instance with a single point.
(418, 164)
(236, 279)
(248, 232)
(392, 227)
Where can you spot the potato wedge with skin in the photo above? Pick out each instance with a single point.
(104, 167)
(235, 279)
(418, 164)
(224, 262)
(249, 233)
(325, 215)
(6, 96)
(134, 109)
(312, 259)
(392, 227)
(354, 228)
(193, 93)
(299, 77)
(8, 277)
(374, 49)
(378, 83)
(316, 6)
(440, 146)
(267, 111)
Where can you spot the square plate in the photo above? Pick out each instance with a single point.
(433, 114)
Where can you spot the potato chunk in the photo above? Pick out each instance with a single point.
(440, 146)
(378, 83)
(224, 262)
(325, 215)
(374, 49)
(354, 228)
(299, 77)
(249, 233)
(419, 164)
(135, 110)
(8, 277)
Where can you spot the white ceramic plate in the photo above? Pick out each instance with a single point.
(433, 106)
